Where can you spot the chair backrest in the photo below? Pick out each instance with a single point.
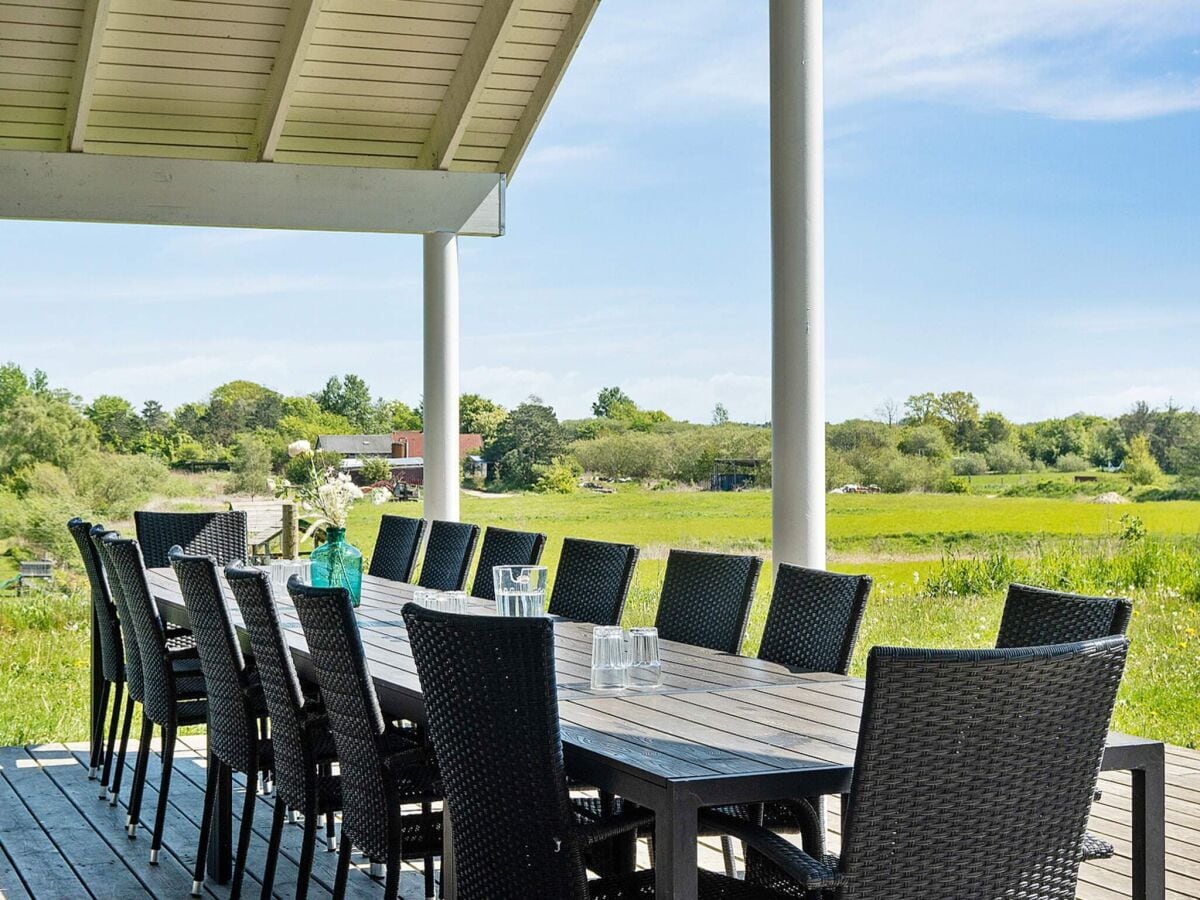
(108, 629)
(592, 581)
(396, 548)
(295, 761)
(814, 619)
(490, 700)
(976, 768)
(1035, 616)
(158, 679)
(448, 555)
(232, 724)
(706, 599)
(129, 644)
(355, 720)
(502, 547)
(221, 535)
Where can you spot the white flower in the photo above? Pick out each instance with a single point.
(299, 448)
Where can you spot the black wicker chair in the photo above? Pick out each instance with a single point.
(171, 700)
(448, 555)
(1036, 616)
(502, 547)
(812, 625)
(221, 535)
(180, 644)
(592, 581)
(490, 697)
(106, 632)
(706, 599)
(380, 768)
(396, 548)
(1023, 728)
(302, 747)
(235, 704)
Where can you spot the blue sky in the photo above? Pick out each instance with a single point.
(1013, 208)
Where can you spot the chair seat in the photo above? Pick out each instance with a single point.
(192, 712)
(711, 887)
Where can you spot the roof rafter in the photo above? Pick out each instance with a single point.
(492, 28)
(547, 84)
(285, 75)
(79, 101)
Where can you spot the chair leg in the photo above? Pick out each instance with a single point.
(330, 832)
(112, 740)
(343, 868)
(96, 750)
(164, 789)
(727, 852)
(210, 797)
(308, 849)
(426, 823)
(114, 790)
(139, 775)
(268, 881)
(243, 847)
(391, 884)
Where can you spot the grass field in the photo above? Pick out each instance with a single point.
(900, 540)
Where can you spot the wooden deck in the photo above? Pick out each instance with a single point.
(57, 839)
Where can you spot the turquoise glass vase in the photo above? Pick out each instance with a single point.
(337, 563)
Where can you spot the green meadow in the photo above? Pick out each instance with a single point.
(939, 562)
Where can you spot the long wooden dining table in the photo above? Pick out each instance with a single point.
(720, 729)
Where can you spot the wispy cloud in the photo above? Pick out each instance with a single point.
(1070, 59)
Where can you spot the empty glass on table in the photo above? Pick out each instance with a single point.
(645, 664)
(609, 660)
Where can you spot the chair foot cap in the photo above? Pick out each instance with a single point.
(378, 870)
(331, 845)
(112, 799)
(92, 773)
(131, 830)
(197, 887)
(154, 857)
(103, 795)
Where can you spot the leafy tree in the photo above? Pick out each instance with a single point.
(403, 417)
(607, 399)
(924, 440)
(43, 429)
(1071, 462)
(479, 415)
(528, 438)
(1007, 459)
(375, 469)
(304, 418)
(921, 409)
(13, 385)
(1048, 440)
(1140, 464)
(349, 397)
(237, 407)
(720, 415)
(251, 466)
(116, 421)
(959, 413)
(858, 434)
(154, 417)
(969, 464)
(995, 429)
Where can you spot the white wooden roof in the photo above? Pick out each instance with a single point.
(456, 85)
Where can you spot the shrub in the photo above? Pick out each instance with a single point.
(375, 470)
(300, 468)
(560, 477)
(1071, 462)
(1140, 464)
(1005, 459)
(114, 485)
(251, 466)
(969, 464)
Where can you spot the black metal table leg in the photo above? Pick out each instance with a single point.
(1149, 828)
(675, 837)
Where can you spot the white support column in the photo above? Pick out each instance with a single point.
(797, 283)
(441, 377)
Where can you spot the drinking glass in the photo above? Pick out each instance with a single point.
(645, 664)
(455, 602)
(283, 569)
(520, 590)
(426, 598)
(609, 661)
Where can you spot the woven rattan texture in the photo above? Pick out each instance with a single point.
(955, 750)
(592, 581)
(396, 548)
(133, 657)
(108, 628)
(232, 724)
(1035, 617)
(221, 535)
(814, 619)
(448, 555)
(706, 599)
(502, 547)
(161, 698)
